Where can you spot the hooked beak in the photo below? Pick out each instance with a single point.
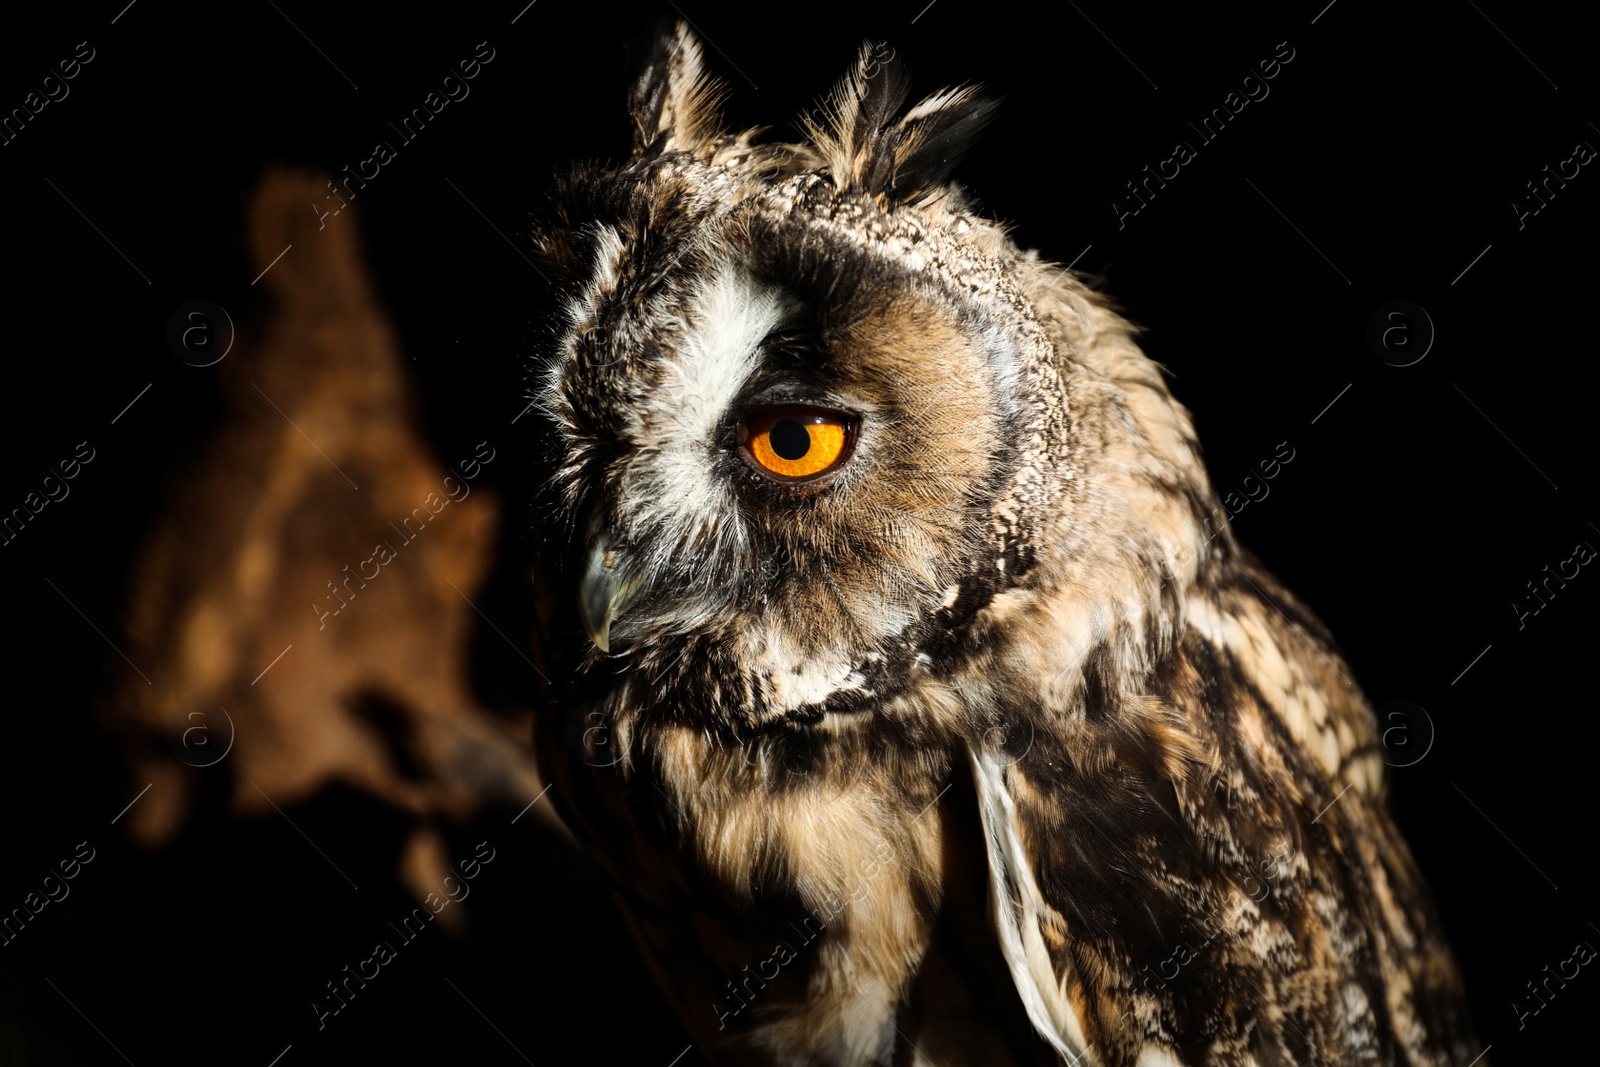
(610, 586)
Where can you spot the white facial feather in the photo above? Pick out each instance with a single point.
(581, 311)
(672, 487)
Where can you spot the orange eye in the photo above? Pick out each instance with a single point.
(796, 443)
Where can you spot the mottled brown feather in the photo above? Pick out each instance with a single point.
(949, 759)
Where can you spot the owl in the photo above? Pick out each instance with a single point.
(911, 689)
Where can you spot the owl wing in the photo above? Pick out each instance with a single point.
(1207, 872)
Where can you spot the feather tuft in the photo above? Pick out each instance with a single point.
(675, 105)
(905, 159)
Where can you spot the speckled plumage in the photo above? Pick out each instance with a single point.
(992, 746)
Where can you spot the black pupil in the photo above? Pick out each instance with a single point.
(789, 439)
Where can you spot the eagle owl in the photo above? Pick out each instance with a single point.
(913, 692)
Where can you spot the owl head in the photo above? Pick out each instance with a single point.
(814, 415)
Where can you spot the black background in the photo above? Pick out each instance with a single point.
(1382, 164)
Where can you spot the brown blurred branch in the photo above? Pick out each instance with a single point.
(305, 594)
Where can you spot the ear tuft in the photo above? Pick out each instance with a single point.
(904, 159)
(675, 104)
(935, 136)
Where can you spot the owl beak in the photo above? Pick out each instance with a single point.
(609, 588)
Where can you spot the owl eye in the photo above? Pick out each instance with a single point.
(796, 444)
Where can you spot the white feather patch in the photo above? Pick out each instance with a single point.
(729, 316)
(799, 679)
(1014, 896)
(678, 491)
